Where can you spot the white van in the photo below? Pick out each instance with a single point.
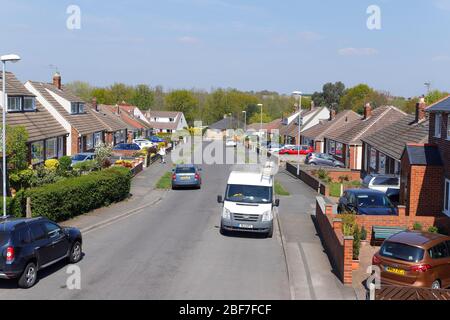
(249, 203)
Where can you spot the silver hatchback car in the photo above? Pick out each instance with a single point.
(323, 159)
(186, 175)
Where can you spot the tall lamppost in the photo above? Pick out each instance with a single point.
(298, 97)
(12, 58)
(260, 125)
(245, 120)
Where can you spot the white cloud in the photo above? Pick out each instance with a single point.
(357, 51)
(441, 58)
(189, 40)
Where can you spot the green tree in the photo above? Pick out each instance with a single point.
(435, 96)
(355, 98)
(256, 118)
(183, 101)
(103, 96)
(16, 147)
(81, 89)
(332, 93)
(143, 97)
(120, 92)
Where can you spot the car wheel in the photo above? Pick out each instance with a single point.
(436, 285)
(75, 252)
(270, 233)
(29, 276)
(223, 231)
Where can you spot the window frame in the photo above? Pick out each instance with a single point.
(16, 98)
(55, 148)
(438, 125)
(77, 107)
(42, 159)
(446, 206)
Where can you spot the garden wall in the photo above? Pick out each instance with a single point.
(308, 179)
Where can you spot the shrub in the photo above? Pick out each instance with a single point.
(348, 223)
(102, 154)
(433, 229)
(42, 176)
(343, 179)
(51, 164)
(323, 175)
(356, 242)
(22, 180)
(74, 196)
(85, 166)
(417, 226)
(65, 164)
(363, 233)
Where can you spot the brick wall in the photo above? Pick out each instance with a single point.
(425, 191)
(308, 179)
(74, 141)
(336, 173)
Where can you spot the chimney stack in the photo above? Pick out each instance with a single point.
(94, 104)
(367, 111)
(57, 80)
(117, 109)
(332, 114)
(420, 109)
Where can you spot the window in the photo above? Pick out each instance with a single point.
(52, 229)
(50, 148)
(14, 103)
(382, 163)
(437, 125)
(447, 197)
(439, 251)
(37, 232)
(22, 236)
(37, 152)
(89, 142)
(373, 158)
(98, 139)
(332, 147)
(401, 251)
(60, 147)
(76, 107)
(339, 148)
(29, 104)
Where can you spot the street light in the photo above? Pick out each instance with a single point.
(298, 97)
(245, 120)
(260, 125)
(6, 58)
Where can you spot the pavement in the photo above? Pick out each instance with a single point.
(167, 245)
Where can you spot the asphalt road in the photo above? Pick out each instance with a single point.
(171, 250)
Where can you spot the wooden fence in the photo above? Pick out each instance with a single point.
(410, 293)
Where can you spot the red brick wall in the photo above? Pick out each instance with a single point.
(352, 174)
(425, 191)
(74, 142)
(109, 138)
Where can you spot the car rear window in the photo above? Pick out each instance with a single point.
(185, 170)
(401, 251)
(385, 181)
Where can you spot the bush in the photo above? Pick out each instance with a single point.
(363, 233)
(74, 196)
(65, 164)
(21, 180)
(433, 229)
(356, 242)
(85, 166)
(12, 207)
(51, 164)
(417, 226)
(102, 154)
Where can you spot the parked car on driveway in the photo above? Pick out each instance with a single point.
(381, 182)
(294, 150)
(143, 143)
(323, 159)
(81, 157)
(418, 259)
(186, 175)
(366, 202)
(274, 147)
(29, 245)
(156, 139)
(231, 143)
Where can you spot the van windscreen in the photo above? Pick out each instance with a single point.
(249, 194)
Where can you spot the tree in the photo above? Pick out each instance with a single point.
(183, 101)
(81, 89)
(120, 92)
(102, 95)
(16, 147)
(143, 97)
(355, 98)
(256, 118)
(332, 93)
(435, 96)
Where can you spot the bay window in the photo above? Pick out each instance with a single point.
(50, 148)
(60, 147)
(98, 139)
(37, 152)
(89, 142)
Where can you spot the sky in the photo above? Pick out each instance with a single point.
(282, 45)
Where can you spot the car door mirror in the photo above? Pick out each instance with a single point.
(277, 203)
(219, 199)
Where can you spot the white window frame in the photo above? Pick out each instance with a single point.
(373, 158)
(447, 197)
(438, 125)
(98, 139)
(381, 163)
(89, 138)
(33, 106)
(16, 99)
(55, 148)
(60, 151)
(34, 161)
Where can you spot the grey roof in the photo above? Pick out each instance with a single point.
(227, 123)
(111, 120)
(292, 128)
(440, 106)
(341, 119)
(423, 155)
(358, 129)
(391, 140)
(13, 86)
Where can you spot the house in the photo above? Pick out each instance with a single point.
(314, 136)
(166, 121)
(135, 111)
(218, 130)
(382, 151)
(344, 142)
(116, 129)
(309, 118)
(272, 127)
(85, 130)
(136, 128)
(46, 136)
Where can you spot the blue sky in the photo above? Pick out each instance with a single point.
(250, 45)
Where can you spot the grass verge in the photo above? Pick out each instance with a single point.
(279, 190)
(165, 182)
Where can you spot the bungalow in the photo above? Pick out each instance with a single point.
(136, 128)
(344, 142)
(46, 137)
(218, 130)
(382, 151)
(166, 121)
(85, 130)
(309, 118)
(314, 136)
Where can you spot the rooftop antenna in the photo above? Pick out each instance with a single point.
(428, 85)
(53, 67)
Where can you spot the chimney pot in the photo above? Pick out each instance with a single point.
(94, 104)
(420, 109)
(57, 80)
(367, 111)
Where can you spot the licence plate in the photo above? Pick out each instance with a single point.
(246, 226)
(185, 178)
(400, 272)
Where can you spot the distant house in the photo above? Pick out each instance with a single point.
(309, 118)
(314, 136)
(218, 130)
(136, 128)
(344, 142)
(166, 121)
(85, 130)
(382, 150)
(46, 137)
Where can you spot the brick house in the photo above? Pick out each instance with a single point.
(85, 130)
(116, 129)
(314, 136)
(344, 142)
(46, 137)
(382, 151)
(136, 128)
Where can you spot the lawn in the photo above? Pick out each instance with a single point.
(335, 187)
(279, 190)
(165, 182)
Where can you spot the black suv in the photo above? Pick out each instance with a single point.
(28, 245)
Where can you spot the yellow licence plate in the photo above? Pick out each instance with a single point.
(400, 272)
(185, 178)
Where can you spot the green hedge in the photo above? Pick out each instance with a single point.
(74, 196)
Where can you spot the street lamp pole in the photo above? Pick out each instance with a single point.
(245, 120)
(298, 95)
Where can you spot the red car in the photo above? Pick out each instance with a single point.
(294, 150)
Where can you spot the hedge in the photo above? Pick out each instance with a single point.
(74, 196)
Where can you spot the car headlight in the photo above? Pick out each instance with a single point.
(226, 214)
(267, 216)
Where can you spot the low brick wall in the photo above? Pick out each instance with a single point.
(334, 174)
(338, 247)
(308, 179)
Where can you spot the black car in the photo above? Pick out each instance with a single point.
(366, 202)
(28, 245)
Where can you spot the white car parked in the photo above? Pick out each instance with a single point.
(143, 143)
(381, 182)
(231, 143)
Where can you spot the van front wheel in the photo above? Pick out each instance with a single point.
(270, 232)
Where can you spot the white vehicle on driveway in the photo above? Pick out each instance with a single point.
(231, 143)
(143, 143)
(249, 203)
